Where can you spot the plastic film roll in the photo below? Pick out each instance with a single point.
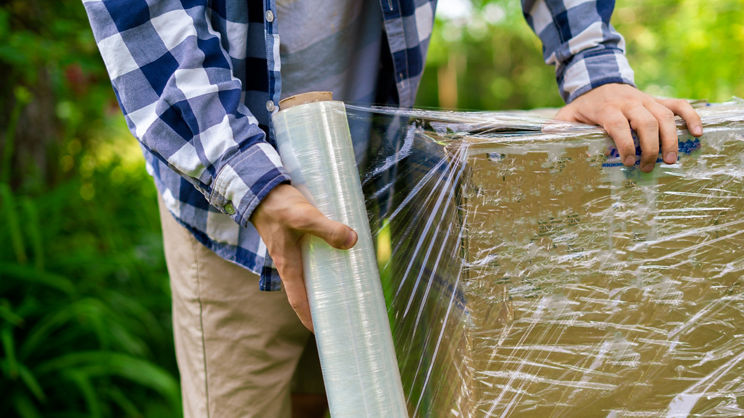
(346, 300)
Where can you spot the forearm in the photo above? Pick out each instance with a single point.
(580, 43)
(176, 87)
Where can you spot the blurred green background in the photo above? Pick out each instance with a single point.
(84, 297)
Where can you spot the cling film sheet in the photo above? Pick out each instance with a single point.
(528, 273)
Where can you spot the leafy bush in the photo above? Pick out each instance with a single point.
(84, 301)
(486, 57)
(84, 298)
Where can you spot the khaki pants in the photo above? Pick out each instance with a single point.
(238, 348)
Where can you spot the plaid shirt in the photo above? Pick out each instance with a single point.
(198, 80)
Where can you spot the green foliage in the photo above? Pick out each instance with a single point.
(685, 48)
(84, 300)
(491, 59)
(60, 91)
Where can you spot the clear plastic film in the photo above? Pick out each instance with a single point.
(344, 290)
(527, 272)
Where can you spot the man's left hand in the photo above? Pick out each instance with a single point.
(619, 107)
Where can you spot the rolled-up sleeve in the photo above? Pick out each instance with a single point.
(579, 41)
(175, 85)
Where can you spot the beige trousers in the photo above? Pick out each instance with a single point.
(237, 348)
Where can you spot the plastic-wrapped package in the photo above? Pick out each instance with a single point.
(531, 273)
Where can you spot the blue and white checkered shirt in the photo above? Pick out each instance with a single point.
(198, 80)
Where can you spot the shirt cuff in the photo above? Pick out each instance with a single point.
(591, 69)
(244, 182)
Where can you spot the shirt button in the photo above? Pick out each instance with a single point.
(270, 106)
(269, 16)
(229, 208)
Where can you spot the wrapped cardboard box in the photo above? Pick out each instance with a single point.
(533, 274)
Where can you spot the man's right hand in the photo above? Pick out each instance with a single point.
(282, 219)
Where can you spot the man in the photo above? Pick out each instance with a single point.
(198, 81)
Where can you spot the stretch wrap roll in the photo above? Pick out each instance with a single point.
(346, 301)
